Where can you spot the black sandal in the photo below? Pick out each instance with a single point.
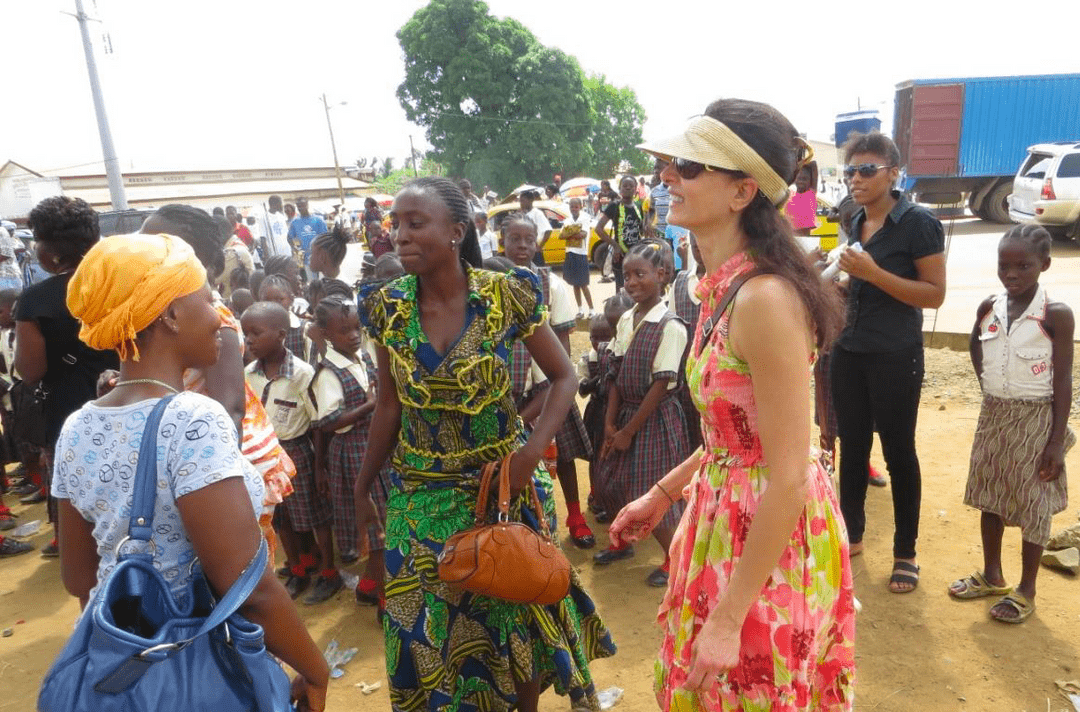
(903, 572)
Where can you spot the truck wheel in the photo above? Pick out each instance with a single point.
(974, 207)
(996, 204)
(599, 254)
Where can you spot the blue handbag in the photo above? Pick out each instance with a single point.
(135, 650)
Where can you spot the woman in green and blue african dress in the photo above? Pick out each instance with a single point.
(444, 407)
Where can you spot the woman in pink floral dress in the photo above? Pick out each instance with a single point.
(759, 612)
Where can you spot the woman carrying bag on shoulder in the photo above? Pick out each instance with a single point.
(146, 296)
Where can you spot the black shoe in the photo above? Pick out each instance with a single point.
(35, 498)
(605, 557)
(51, 551)
(602, 517)
(284, 572)
(349, 557)
(324, 590)
(367, 598)
(13, 547)
(297, 585)
(7, 522)
(24, 489)
(657, 579)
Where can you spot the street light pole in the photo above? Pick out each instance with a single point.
(112, 164)
(333, 148)
(412, 155)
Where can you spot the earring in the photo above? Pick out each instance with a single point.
(453, 243)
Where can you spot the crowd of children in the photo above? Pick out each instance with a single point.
(311, 366)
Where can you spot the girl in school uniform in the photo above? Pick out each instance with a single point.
(529, 381)
(1021, 348)
(644, 427)
(687, 307)
(344, 396)
(276, 288)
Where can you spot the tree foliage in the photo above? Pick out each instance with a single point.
(500, 108)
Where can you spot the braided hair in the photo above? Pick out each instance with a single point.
(335, 243)
(195, 227)
(1036, 237)
(336, 288)
(657, 253)
(69, 226)
(328, 307)
(460, 212)
(278, 264)
(274, 281)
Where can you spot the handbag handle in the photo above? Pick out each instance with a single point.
(487, 473)
(140, 525)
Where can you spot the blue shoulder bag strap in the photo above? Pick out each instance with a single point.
(140, 527)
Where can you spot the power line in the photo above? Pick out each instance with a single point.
(507, 120)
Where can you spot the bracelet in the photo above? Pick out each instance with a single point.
(666, 492)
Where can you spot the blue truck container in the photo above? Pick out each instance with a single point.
(970, 135)
(862, 121)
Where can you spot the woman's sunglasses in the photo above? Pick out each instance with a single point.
(689, 170)
(866, 170)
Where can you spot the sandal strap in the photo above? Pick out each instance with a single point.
(905, 566)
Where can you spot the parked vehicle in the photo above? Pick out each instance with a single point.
(1046, 189)
(122, 222)
(557, 213)
(968, 135)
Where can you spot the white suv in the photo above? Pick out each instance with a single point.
(1046, 189)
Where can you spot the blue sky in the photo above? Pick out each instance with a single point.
(230, 83)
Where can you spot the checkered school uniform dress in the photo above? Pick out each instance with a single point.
(345, 456)
(689, 312)
(297, 343)
(596, 408)
(660, 445)
(307, 511)
(572, 439)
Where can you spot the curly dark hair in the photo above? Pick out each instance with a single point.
(68, 226)
(768, 231)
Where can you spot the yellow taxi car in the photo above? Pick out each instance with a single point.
(828, 225)
(557, 214)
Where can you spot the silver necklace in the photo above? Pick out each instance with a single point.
(149, 381)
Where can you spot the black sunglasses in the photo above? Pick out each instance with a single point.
(866, 170)
(689, 170)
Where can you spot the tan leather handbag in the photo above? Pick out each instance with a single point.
(506, 560)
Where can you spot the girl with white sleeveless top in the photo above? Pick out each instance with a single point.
(1022, 349)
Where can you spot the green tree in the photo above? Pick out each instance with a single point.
(392, 182)
(617, 119)
(498, 106)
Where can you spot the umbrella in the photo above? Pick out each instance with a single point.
(581, 183)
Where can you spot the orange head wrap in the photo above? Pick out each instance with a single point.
(127, 281)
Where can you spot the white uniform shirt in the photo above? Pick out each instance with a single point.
(329, 394)
(536, 217)
(562, 315)
(489, 244)
(669, 355)
(277, 234)
(285, 398)
(1017, 361)
(586, 226)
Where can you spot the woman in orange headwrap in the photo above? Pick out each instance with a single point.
(146, 297)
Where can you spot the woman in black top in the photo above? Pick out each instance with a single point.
(47, 346)
(877, 364)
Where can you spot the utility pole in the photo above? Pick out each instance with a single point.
(333, 148)
(112, 164)
(412, 155)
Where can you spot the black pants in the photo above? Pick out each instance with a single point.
(879, 390)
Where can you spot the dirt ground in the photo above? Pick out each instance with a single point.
(920, 651)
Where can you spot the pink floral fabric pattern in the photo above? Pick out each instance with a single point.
(797, 649)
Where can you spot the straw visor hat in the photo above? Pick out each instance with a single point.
(712, 143)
